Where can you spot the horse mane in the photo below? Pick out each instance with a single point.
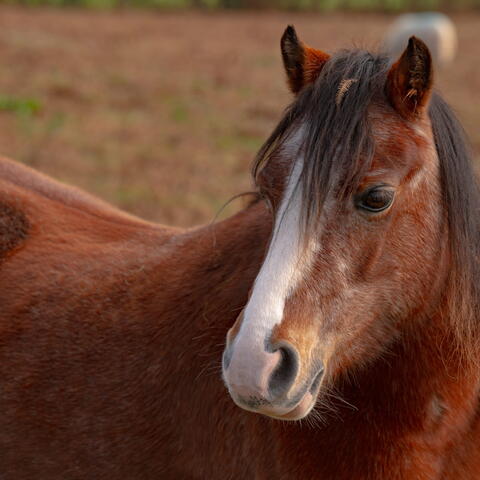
(461, 202)
(337, 145)
(338, 148)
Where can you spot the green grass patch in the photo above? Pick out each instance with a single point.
(23, 106)
(238, 139)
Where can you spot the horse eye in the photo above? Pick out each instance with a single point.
(376, 199)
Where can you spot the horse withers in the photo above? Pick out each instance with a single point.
(353, 279)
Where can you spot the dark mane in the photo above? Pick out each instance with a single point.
(337, 145)
(461, 200)
(338, 149)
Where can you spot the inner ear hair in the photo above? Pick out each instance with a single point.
(410, 80)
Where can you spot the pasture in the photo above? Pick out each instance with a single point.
(161, 113)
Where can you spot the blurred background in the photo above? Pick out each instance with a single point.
(159, 106)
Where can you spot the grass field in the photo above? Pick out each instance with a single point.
(162, 113)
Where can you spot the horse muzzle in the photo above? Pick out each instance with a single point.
(267, 380)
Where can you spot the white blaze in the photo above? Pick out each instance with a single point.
(277, 278)
(279, 272)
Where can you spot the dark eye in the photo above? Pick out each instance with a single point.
(375, 199)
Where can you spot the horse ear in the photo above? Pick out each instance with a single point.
(410, 79)
(302, 63)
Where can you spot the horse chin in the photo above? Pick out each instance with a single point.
(297, 411)
(301, 410)
(305, 405)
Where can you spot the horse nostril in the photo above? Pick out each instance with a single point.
(285, 373)
(227, 357)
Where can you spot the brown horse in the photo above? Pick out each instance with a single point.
(362, 317)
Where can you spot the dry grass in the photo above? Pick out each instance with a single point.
(161, 114)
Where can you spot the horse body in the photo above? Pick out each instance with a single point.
(108, 329)
(112, 328)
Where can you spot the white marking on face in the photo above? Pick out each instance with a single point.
(427, 172)
(281, 271)
(419, 130)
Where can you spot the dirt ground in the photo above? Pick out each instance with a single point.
(162, 113)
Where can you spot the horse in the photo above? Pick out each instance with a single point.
(364, 314)
(339, 309)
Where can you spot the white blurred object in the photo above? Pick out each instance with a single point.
(435, 29)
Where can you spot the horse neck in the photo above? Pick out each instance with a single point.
(194, 293)
(199, 279)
